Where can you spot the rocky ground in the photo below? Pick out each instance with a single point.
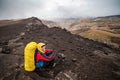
(83, 59)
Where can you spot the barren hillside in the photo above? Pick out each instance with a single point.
(84, 59)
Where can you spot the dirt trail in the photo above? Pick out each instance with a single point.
(84, 59)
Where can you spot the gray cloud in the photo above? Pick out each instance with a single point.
(50, 9)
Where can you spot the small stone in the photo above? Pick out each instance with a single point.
(0, 49)
(61, 55)
(3, 42)
(63, 50)
(6, 50)
(21, 65)
(74, 59)
(85, 76)
(28, 30)
(22, 33)
(22, 38)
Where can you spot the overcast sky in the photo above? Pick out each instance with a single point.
(51, 9)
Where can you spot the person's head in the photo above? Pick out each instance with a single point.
(41, 47)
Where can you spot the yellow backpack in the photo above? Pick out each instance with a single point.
(29, 52)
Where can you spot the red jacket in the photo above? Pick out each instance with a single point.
(47, 56)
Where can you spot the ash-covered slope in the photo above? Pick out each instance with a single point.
(83, 59)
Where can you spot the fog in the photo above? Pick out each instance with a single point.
(54, 9)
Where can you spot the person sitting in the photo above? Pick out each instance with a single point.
(44, 58)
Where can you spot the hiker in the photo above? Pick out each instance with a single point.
(44, 58)
(37, 56)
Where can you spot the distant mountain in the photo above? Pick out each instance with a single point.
(112, 16)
